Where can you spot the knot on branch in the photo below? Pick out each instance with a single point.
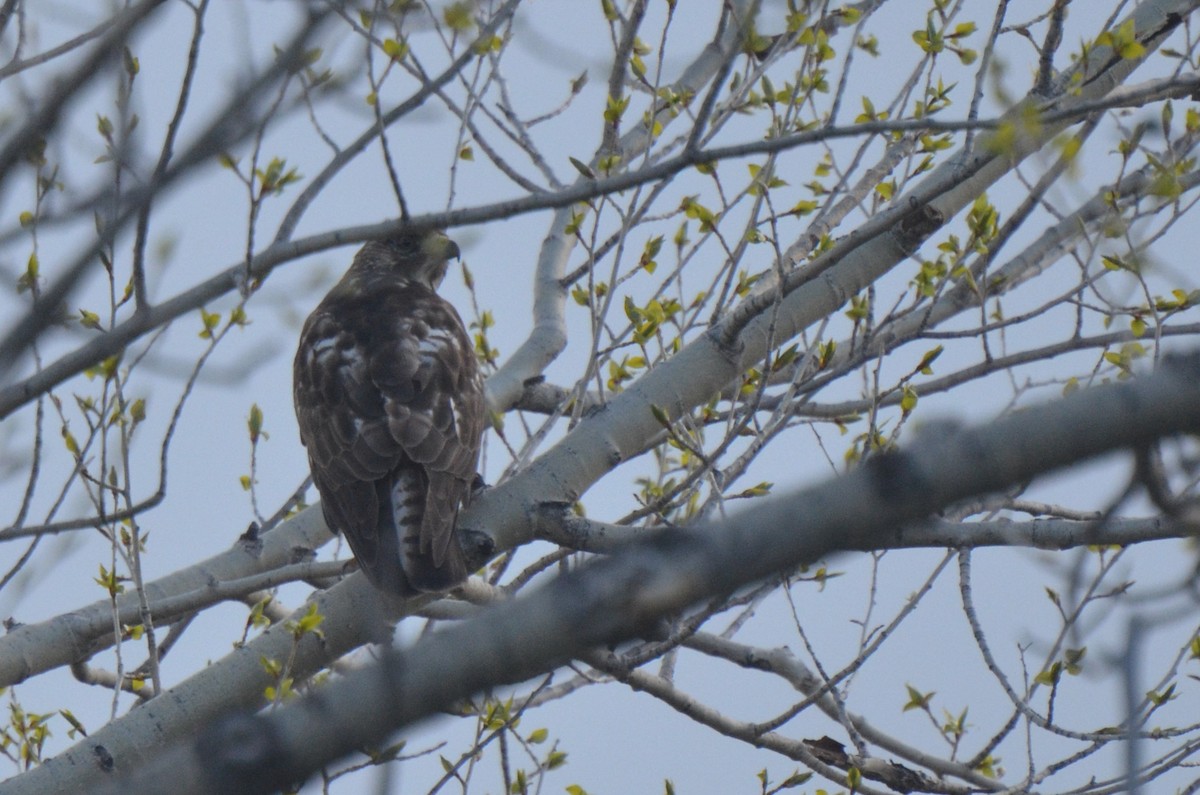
(239, 752)
(726, 335)
(1185, 364)
(921, 221)
(478, 546)
(103, 758)
(898, 481)
(893, 774)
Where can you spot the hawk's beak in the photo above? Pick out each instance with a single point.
(440, 247)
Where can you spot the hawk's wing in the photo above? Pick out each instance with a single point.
(390, 405)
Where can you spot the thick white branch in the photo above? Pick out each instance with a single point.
(30, 649)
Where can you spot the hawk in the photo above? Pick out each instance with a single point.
(390, 403)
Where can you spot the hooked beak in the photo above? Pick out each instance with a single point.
(440, 247)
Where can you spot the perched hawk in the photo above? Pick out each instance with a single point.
(390, 404)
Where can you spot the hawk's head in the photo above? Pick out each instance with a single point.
(420, 257)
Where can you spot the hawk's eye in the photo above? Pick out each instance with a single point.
(406, 245)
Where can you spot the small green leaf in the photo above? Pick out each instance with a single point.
(1158, 699)
(615, 108)
(132, 65)
(210, 320)
(254, 423)
(917, 699)
(70, 442)
(109, 581)
(89, 320)
(1073, 660)
(396, 50)
(488, 44)
(923, 367)
(458, 16)
(307, 623)
(795, 780)
(1050, 676)
(760, 490)
(989, 766)
(237, 316)
(276, 176)
(70, 718)
(653, 246)
(582, 168)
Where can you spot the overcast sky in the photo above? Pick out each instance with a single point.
(617, 741)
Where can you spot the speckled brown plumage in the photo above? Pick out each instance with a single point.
(390, 405)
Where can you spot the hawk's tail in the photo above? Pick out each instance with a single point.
(423, 512)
